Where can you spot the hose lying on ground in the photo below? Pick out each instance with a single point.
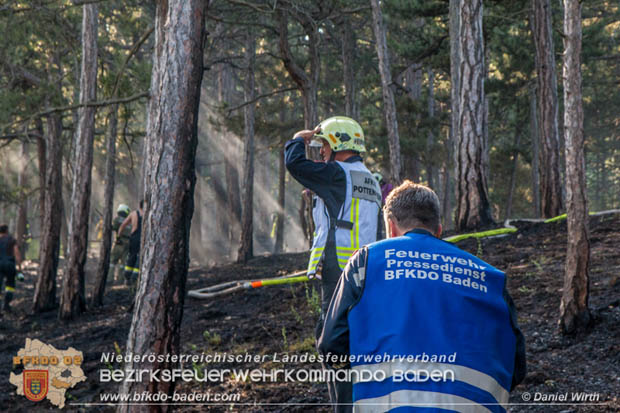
(232, 286)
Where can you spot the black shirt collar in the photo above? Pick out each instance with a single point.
(419, 231)
(353, 158)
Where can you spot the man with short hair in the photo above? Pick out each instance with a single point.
(10, 258)
(345, 207)
(433, 325)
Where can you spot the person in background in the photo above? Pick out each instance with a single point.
(132, 267)
(386, 187)
(414, 303)
(345, 204)
(120, 249)
(10, 265)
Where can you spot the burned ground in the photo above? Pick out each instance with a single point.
(282, 319)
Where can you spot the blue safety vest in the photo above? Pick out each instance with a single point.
(432, 330)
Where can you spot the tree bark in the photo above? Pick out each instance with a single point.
(473, 209)
(233, 202)
(413, 80)
(279, 245)
(246, 250)
(451, 161)
(535, 153)
(72, 302)
(64, 227)
(513, 174)
(41, 154)
(307, 83)
(574, 312)
(45, 290)
(172, 131)
(431, 171)
(103, 266)
(389, 107)
(550, 179)
(351, 108)
(22, 210)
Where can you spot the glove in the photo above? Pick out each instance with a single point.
(20, 276)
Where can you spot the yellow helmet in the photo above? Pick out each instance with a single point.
(342, 133)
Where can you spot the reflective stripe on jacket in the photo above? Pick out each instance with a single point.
(356, 224)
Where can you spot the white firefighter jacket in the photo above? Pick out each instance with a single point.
(356, 223)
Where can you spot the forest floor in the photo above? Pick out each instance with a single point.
(280, 320)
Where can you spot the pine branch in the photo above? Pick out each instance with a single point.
(101, 103)
(259, 97)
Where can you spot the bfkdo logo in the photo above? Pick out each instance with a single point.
(48, 373)
(36, 384)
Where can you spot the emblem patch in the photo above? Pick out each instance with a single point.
(36, 384)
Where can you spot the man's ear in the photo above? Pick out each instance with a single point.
(439, 231)
(393, 230)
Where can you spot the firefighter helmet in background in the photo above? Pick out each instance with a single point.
(342, 134)
(123, 210)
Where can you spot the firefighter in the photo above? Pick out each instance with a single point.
(10, 265)
(120, 249)
(132, 266)
(346, 202)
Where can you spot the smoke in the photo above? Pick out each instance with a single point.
(211, 223)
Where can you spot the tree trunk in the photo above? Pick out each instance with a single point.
(108, 209)
(389, 107)
(574, 313)
(64, 227)
(45, 290)
(473, 209)
(22, 210)
(231, 225)
(455, 86)
(246, 250)
(41, 154)
(550, 179)
(172, 130)
(413, 80)
(307, 83)
(535, 152)
(513, 174)
(411, 167)
(351, 108)
(430, 138)
(279, 246)
(72, 301)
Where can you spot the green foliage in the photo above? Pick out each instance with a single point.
(40, 54)
(284, 338)
(296, 315)
(306, 345)
(213, 339)
(313, 300)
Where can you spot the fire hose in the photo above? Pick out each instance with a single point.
(232, 286)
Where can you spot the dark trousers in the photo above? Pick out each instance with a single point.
(340, 393)
(132, 268)
(7, 275)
